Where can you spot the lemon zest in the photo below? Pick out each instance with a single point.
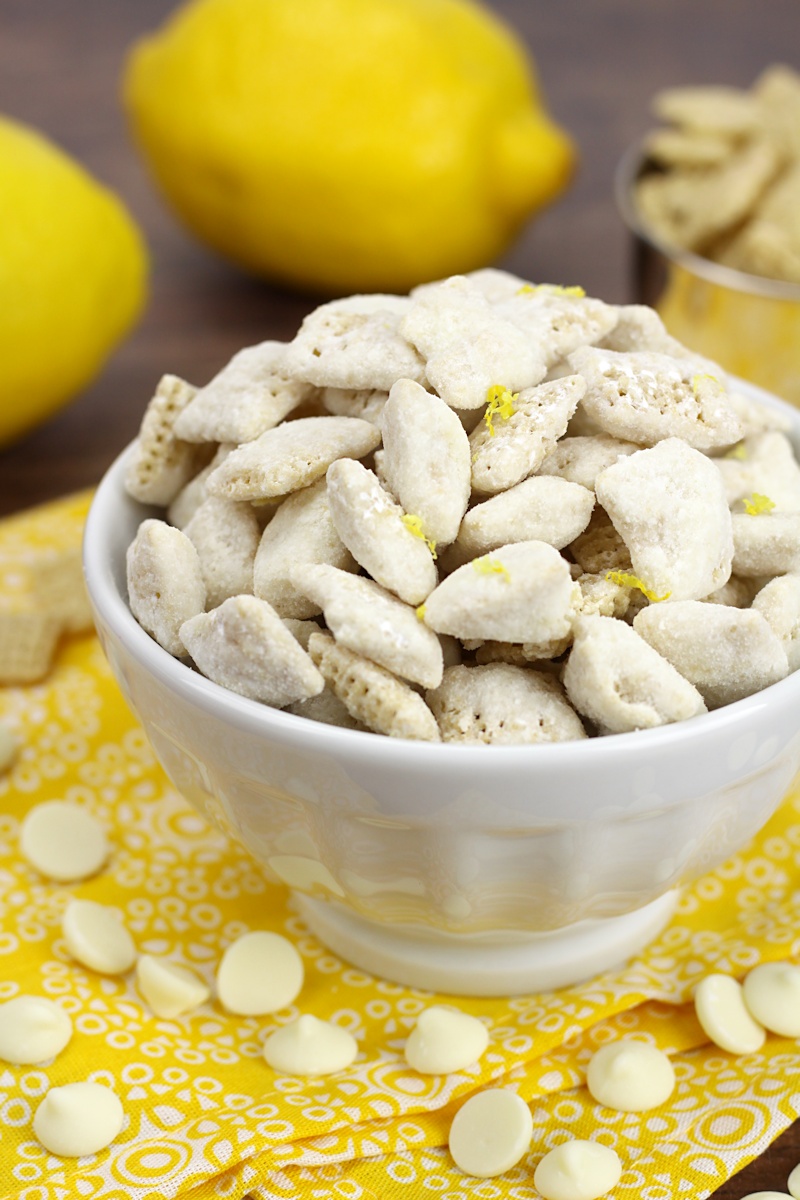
(698, 379)
(414, 525)
(739, 452)
(420, 612)
(491, 566)
(555, 289)
(625, 579)
(757, 504)
(499, 403)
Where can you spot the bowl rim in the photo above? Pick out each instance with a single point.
(628, 170)
(387, 752)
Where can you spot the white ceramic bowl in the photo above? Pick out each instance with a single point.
(473, 869)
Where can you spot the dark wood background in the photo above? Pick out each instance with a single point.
(599, 63)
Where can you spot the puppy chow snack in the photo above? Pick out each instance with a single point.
(722, 177)
(517, 514)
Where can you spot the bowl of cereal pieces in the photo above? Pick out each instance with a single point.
(712, 198)
(472, 614)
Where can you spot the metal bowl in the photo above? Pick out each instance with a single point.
(747, 323)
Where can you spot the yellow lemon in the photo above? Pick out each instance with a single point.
(345, 145)
(72, 277)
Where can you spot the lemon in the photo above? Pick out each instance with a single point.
(72, 272)
(345, 145)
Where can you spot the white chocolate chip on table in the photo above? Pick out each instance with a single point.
(78, 1119)
(259, 973)
(577, 1170)
(62, 841)
(490, 1133)
(169, 989)
(443, 1041)
(33, 1029)
(96, 937)
(309, 1046)
(772, 997)
(722, 1012)
(630, 1076)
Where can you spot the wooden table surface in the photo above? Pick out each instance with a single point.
(599, 63)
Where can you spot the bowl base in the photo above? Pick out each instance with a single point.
(490, 965)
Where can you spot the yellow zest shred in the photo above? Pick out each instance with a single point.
(420, 612)
(499, 403)
(756, 504)
(414, 525)
(491, 566)
(625, 579)
(698, 379)
(739, 452)
(555, 289)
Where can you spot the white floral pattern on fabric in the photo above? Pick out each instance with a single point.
(206, 1118)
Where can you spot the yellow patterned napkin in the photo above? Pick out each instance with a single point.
(205, 1117)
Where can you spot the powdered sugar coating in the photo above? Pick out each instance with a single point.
(225, 535)
(243, 645)
(498, 703)
(541, 508)
(557, 322)
(165, 582)
(767, 544)
(763, 464)
(620, 683)
(669, 507)
(581, 459)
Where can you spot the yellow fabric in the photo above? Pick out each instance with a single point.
(207, 1118)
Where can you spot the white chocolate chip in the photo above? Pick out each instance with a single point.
(443, 1041)
(630, 1076)
(772, 995)
(309, 1046)
(169, 989)
(259, 973)
(32, 1030)
(96, 937)
(63, 841)
(721, 1011)
(490, 1133)
(78, 1119)
(577, 1170)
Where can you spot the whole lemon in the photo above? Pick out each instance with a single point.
(72, 277)
(345, 145)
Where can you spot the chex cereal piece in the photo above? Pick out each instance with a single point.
(763, 464)
(355, 343)
(190, 497)
(646, 397)
(762, 248)
(299, 629)
(639, 329)
(373, 623)
(523, 654)
(766, 544)
(620, 683)
(302, 531)
(467, 346)
(542, 508)
(691, 208)
(755, 417)
(59, 589)
(291, 457)
(371, 694)
(327, 708)
(161, 464)
(736, 592)
(426, 459)
(727, 653)
(581, 459)
(248, 396)
(600, 548)
(374, 529)
(509, 448)
(668, 505)
(225, 535)
(27, 645)
(557, 321)
(601, 596)
(727, 111)
(777, 93)
(368, 406)
(493, 283)
(499, 703)
(165, 582)
(519, 593)
(779, 602)
(679, 148)
(244, 645)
